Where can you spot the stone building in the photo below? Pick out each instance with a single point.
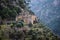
(26, 16)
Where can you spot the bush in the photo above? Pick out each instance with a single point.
(30, 24)
(20, 24)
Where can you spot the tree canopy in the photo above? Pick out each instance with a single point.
(10, 8)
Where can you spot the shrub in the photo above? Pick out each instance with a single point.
(20, 24)
(30, 24)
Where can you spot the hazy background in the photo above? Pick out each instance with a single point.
(48, 11)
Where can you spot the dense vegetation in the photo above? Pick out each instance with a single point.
(21, 31)
(11, 8)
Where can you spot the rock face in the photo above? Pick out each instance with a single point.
(49, 13)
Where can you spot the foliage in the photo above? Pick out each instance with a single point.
(36, 34)
(19, 24)
(24, 32)
(10, 8)
(30, 24)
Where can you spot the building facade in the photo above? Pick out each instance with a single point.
(26, 16)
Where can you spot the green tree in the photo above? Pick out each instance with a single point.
(10, 8)
(20, 23)
(30, 24)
